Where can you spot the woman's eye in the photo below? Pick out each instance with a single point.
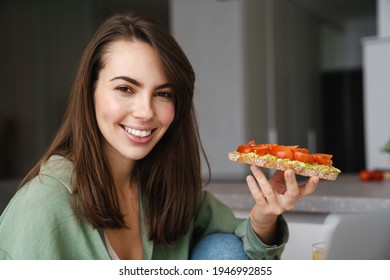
(125, 89)
(164, 94)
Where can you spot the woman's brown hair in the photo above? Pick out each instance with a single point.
(169, 176)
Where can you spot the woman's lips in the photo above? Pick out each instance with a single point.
(138, 136)
(137, 132)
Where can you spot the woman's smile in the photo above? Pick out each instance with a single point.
(137, 132)
(138, 136)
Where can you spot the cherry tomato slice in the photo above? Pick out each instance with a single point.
(247, 147)
(281, 152)
(377, 175)
(251, 142)
(324, 159)
(365, 175)
(301, 150)
(244, 149)
(327, 156)
(303, 157)
(261, 151)
(293, 147)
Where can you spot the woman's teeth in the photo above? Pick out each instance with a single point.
(138, 133)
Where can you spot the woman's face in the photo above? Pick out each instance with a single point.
(134, 102)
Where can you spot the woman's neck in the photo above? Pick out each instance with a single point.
(122, 171)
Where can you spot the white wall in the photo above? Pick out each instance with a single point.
(210, 34)
(376, 60)
(354, 31)
(297, 72)
(383, 18)
(376, 65)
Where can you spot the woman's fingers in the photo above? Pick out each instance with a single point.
(310, 186)
(268, 191)
(256, 184)
(291, 185)
(263, 190)
(265, 186)
(255, 190)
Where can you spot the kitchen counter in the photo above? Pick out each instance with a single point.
(345, 195)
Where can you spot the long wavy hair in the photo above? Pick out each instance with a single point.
(169, 176)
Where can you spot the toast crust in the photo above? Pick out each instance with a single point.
(323, 172)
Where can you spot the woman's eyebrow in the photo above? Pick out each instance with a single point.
(166, 85)
(135, 82)
(127, 79)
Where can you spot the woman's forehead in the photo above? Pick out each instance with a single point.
(135, 59)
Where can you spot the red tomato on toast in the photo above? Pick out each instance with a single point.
(282, 152)
(304, 157)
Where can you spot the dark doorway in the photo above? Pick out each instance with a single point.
(343, 122)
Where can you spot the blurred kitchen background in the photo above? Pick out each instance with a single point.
(307, 72)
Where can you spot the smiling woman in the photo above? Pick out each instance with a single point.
(122, 176)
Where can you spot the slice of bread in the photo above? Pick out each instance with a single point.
(300, 168)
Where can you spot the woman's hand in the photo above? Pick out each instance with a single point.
(273, 197)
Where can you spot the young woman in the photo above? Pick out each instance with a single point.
(122, 177)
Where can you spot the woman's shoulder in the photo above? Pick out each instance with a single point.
(39, 221)
(57, 169)
(47, 193)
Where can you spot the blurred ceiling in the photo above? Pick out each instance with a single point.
(333, 11)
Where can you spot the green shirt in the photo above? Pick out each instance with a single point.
(39, 223)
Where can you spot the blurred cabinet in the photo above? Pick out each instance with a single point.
(41, 45)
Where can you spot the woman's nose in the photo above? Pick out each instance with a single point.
(143, 108)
